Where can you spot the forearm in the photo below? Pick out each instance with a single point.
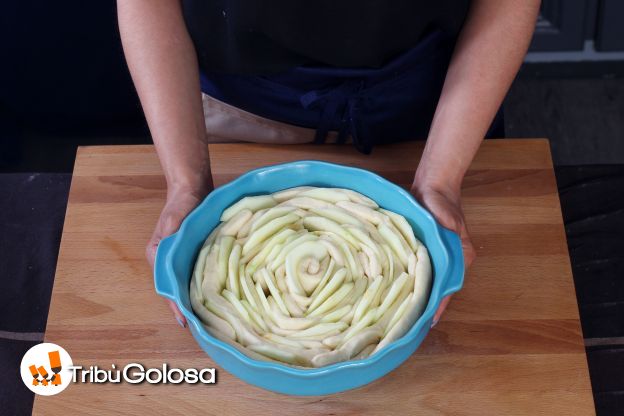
(487, 56)
(163, 65)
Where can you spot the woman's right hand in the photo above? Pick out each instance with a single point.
(180, 202)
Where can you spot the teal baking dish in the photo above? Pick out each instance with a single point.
(176, 255)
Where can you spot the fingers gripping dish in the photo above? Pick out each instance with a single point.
(310, 277)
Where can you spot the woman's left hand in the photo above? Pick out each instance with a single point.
(445, 206)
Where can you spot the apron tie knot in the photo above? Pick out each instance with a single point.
(338, 101)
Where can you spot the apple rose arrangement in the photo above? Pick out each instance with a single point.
(310, 276)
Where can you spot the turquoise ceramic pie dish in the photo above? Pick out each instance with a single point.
(176, 255)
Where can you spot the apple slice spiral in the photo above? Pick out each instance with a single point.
(310, 276)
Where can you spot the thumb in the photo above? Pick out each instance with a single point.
(176, 312)
(470, 253)
(440, 310)
(168, 223)
(150, 250)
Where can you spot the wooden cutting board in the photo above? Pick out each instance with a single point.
(509, 343)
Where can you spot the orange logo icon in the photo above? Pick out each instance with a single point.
(55, 366)
(45, 369)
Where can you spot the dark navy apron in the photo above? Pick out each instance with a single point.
(373, 106)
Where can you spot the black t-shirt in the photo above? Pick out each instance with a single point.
(268, 36)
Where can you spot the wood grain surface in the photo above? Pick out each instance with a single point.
(510, 342)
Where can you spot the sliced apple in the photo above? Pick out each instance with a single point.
(252, 203)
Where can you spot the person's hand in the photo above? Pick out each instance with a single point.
(180, 203)
(445, 206)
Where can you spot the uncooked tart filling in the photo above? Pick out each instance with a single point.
(310, 277)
